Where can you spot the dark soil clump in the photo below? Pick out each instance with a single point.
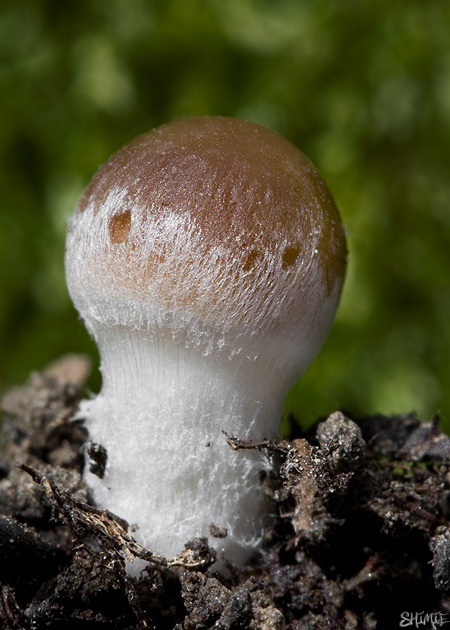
(361, 540)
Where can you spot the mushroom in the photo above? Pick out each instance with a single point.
(206, 258)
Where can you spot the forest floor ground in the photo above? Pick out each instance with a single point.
(361, 538)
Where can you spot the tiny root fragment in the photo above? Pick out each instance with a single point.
(85, 520)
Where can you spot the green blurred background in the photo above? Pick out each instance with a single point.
(363, 88)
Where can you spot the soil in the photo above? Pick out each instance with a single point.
(361, 539)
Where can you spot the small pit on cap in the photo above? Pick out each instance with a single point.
(289, 256)
(119, 227)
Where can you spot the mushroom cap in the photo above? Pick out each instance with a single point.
(213, 219)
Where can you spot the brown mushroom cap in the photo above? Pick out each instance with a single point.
(212, 216)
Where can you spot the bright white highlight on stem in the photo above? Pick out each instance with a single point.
(207, 259)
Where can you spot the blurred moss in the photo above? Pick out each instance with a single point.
(363, 88)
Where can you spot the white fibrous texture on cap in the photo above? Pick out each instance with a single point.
(208, 296)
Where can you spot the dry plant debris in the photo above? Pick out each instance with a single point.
(361, 531)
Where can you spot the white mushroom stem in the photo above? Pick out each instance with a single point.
(163, 406)
(170, 399)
